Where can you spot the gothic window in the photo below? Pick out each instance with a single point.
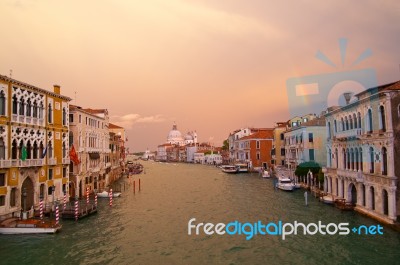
(369, 120)
(35, 109)
(382, 119)
(14, 150)
(35, 150)
(50, 113)
(41, 110)
(2, 149)
(371, 160)
(15, 105)
(22, 107)
(384, 161)
(64, 116)
(2, 103)
(28, 108)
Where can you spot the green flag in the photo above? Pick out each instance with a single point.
(24, 154)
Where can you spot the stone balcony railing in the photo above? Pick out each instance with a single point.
(349, 133)
(5, 163)
(27, 163)
(66, 161)
(52, 161)
(27, 119)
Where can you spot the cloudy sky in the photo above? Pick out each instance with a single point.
(211, 66)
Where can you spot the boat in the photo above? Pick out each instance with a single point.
(29, 226)
(328, 199)
(266, 174)
(105, 194)
(285, 183)
(242, 168)
(229, 169)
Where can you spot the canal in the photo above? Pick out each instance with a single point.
(151, 226)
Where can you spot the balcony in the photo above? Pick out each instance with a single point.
(356, 175)
(52, 161)
(108, 164)
(5, 163)
(27, 163)
(66, 161)
(354, 133)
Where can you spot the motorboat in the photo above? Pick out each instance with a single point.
(106, 194)
(29, 226)
(229, 169)
(242, 168)
(285, 183)
(266, 174)
(328, 199)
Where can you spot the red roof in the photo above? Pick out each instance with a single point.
(113, 126)
(264, 134)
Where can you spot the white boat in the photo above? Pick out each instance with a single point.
(242, 168)
(229, 169)
(328, 199)
(105, 194)
(28, 226)
(266, 174)
(285, 183)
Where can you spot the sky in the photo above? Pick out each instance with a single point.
(210, 66)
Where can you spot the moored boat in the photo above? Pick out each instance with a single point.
(229, 169)
(242, 168)
(29, 226)
(285, 183)
(105, 194)
(266, 174)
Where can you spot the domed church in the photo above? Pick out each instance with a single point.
(175, 137)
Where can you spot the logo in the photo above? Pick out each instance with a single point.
(249, 230)
(315, 93)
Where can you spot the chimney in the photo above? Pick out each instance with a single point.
(347, 97)
(57, 89)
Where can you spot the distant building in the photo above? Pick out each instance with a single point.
(305, 142)
(278, 144)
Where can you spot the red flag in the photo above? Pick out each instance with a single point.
(73, 156)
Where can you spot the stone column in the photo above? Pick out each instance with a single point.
(392, 203)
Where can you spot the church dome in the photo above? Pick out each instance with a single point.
(188, 137)
(174, 136)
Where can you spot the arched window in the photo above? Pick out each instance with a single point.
(35, 150)
(41, 110)
(329, 129)
(347, 123)
(335, 126)
(351, 159)
(356, 159)
(348, 158)
(361, 159)
(22, 107)
(382, 119)
(355, 121)
(371, 160)
(64, 150)
(351, 122)
(329, 158)
(50, 150)
(14, 150)
(384, 161)
(15, 105)
(369, 121)
(2, 103)
(2, 149)
(342, 121)
(28, 108)
(344, 158)
(35, 109)
(50, 114)
(337, 158)
(359, 120)
(29, 150)
(64, 116)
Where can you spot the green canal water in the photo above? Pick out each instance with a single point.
(151, 226)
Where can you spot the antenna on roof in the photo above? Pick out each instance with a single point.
(11, 73)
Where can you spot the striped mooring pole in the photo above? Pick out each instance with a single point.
(65, 201)
(87, 195)
(95, 199)
(111, 196)
(76, 210)
(57, 215)
(41, 209)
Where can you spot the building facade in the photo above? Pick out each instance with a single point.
(305, 142)
(89, 134)
(278, 144)
(363, 145)
(34, 153)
